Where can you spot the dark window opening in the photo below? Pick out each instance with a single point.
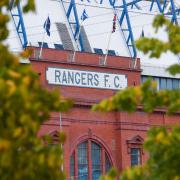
(91, 160)
(82, 161)
(135, 156)
(58, 46)
(45, 45)
(107, 163)
(98, 51)
(72, 164)
(111, 52)
(96, 161)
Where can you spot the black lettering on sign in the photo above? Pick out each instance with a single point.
(96, 79)
(64, 78)
(116, 82)
(83, 78)
(89, 79)
(57, 76)
(70, 77)
(106, 79)
(77, 78)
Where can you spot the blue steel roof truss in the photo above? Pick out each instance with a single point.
(174, 17)
(158, 4)
(161, 8)
(17, 17)
(124, 18)
(72, 9)
(128, 34)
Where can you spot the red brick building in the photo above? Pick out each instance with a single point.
(95, 141)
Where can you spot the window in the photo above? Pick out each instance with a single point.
(164, 83)
(90, 158)
(108, 164)
(96, 160)
(135, 156)
(45, 45)
(157, 81)
(111, 52)
(98, 51)
(175, 84)
(72, 165)
(169, 83)
(143, 78)
(58, 46)
(82, 161)
(135, 150)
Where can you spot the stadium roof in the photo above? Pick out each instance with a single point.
(96, 29)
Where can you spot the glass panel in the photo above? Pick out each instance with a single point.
(108, 164)
(163, 83)
(72, 174)
(82, 162)
(98, 51)
(169, 83)
(58, 46)
(111, 52)
(96, 161)
(135, 156)
(175, 84)
(143, 79)
(157, 81)
(45, 45)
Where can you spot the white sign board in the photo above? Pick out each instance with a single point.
(89, 79)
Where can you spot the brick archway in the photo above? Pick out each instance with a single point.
(89, 140)
(95, 138)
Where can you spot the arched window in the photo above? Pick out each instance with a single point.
(88, 161)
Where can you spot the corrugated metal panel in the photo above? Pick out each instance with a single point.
(158, 71)
(65, 37)
(86, 43)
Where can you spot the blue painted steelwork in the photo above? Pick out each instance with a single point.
(158, 4)
(124, 19)
(128, 34)
(173, 11)
(134, 2)
(130, 39)
(161, 7)
(17, 16)
(75, 26)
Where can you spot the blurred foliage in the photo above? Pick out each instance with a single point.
(146, 95)
(156, 47)
(111, 175)
(174, 69)
(25, 105)
(162, 144)
(164, 157)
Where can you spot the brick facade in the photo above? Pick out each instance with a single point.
(115, 131)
